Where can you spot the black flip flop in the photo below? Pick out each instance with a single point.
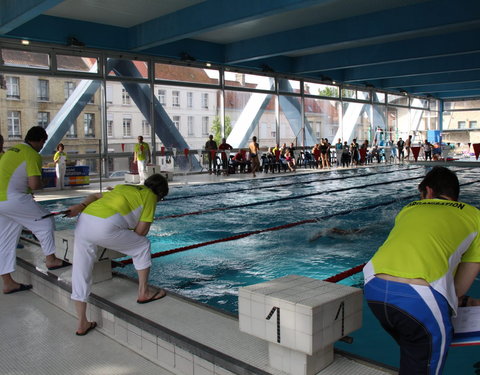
(92, 326)
(21, 288)
(151, 299)
(64, 264)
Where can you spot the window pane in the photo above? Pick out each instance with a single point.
(178, 73)
(77, 64)
(312, 88)
(13, 88)
(25, 59)
(127, 68)
(43, 90)
(250, 81)
(289, 86)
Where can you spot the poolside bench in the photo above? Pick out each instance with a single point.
(102, 269)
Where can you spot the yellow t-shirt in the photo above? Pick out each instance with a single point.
(16, 165)
(131, 203)
(430, 238)
(141, 150)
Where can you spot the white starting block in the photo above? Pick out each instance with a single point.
(132, 178)
(152, 169)
(166, 165)
(301, 318)
(102, 268)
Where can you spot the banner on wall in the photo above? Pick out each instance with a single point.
(78, 175)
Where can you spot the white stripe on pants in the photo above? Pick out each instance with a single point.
(92, 231)
(18, 212)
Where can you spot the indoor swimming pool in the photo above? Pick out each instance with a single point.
(224, 236)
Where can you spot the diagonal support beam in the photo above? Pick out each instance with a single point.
(17, 12)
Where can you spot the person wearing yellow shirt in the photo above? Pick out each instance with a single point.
(119, 220)
(20, 174)
(141, 156)
(60, 159)
(420, 275)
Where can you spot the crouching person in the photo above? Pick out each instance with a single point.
(118, 220)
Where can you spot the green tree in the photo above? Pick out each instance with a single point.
(217, 128)
(331, 92)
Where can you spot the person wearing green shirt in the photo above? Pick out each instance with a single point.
(119, 220)
(141, 156)
(420, 275)
(20, 174)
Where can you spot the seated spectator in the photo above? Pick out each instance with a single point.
(375, 154)
(239, 161)
(289, 161)
(224, 146)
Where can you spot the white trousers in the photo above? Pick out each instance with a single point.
(92, 231)
(142, 168)
(60, 172)
(16, 213)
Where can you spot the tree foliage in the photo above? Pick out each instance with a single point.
(216, 128)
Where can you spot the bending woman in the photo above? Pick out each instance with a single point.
(117, 220)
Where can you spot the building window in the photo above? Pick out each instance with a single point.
(13, 88)
(190, 125)
(72, 132)
(146, 128)
(189, 99)
(109, 94)
(205, 125)
(89, 124)
(462, 124)
(205, 100)
(161, 97)
(127, 127)
(13, 123)
(109, 125)
(43, 91)
(68, 89)
(125, 97)
(175, 98)
(43, 119)
(472, 124)
(176, 122)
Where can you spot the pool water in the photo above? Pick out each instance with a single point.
(346, 199)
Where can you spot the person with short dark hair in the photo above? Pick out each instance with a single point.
(211, 149)
(420, 276)
(119, 220)
(224, 146)
(20, 174)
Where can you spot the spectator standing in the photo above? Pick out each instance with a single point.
(141, 156)
(60, 159)
(355, 155)
(345, 155)
(254, 149)
(400, 146)
(427, 149)
(408, 146)
(211, 149)
(338, 151)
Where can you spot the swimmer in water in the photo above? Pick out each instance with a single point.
(339, 231)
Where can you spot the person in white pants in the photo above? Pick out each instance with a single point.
(20, 174)
(118, 220)
(141, 156)
(60, 159)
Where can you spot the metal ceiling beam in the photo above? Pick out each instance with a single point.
(444, 88)
(207, 16)
(405, 50)
(430, 79)
(15, 13)
(412, 68)
(452, 95)
(408, 22)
